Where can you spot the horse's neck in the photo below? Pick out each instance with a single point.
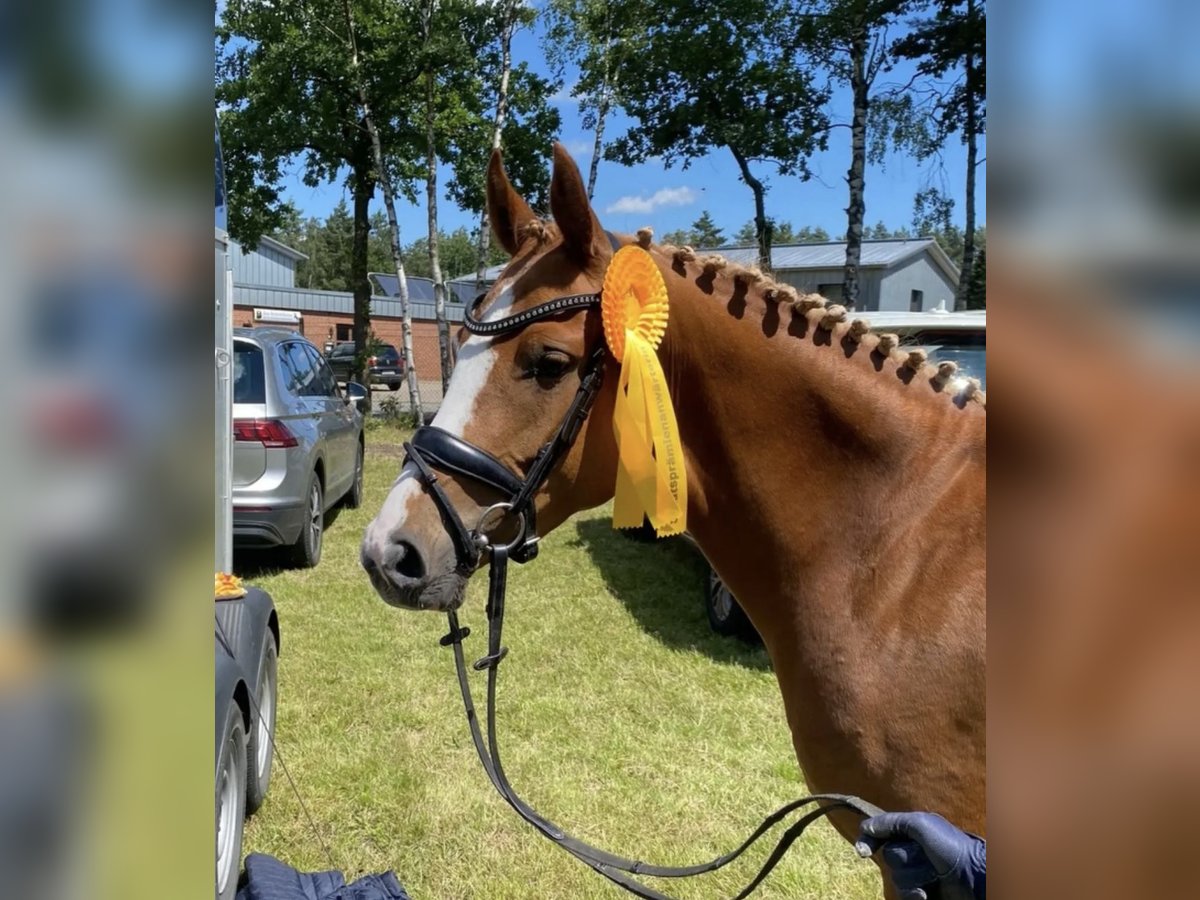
(804, 462)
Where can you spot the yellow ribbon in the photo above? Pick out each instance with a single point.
(651, 474)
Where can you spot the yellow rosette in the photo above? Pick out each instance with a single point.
(651, 475)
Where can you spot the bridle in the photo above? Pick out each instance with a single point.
(431, 450)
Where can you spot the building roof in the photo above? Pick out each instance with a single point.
(282, 248)
(795, 257)
(933, 319)
(832, 255)
(333, 302)
(420, 289)
(489, 276)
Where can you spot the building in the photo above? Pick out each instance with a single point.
(901, 275)
(265, 293)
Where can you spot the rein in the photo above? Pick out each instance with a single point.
(432, 448)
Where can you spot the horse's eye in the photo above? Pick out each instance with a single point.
(551, 366)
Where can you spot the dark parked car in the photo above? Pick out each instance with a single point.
(385, 367)
(247, 648)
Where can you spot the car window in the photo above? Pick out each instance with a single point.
(298, 369)
(248, 386)
(967, 349)
(324, 385)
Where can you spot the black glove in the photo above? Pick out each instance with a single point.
(924, 850)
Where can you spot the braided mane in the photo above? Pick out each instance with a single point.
(831, 317)
(815, 309)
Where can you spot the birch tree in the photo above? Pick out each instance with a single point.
(950, 47)
(716, 76)
(509, 16)
(290, 94)
(850, 37)
(602, 39)
(389, 201)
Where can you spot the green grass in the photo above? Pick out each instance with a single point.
(622, 718)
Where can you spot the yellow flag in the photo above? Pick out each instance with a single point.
(651, 474)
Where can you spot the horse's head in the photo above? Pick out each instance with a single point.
(509, 394)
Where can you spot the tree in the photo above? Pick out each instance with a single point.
(507, 107)
(289, 92)
(953, 39)
(850, 36)
(882, 233)
(783, 233)
(715, 75)
(457, 252)
(705, 232)
(384, 177)
(603, 39)
(976, 297)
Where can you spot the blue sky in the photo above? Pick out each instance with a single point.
(628, 198)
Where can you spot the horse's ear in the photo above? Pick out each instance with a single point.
(572, 212)
(506, 210)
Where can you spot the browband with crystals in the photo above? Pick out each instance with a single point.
(520, 320)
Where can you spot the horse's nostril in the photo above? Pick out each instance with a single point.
(408, 562)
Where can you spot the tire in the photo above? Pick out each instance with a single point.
(231, 803)
(306, 552)
(354, 496)
(260, 752)
(725, 614)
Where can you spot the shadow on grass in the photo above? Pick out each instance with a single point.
(663, 586)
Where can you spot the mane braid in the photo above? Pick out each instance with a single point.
(829, 317)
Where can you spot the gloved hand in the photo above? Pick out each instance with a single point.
(924, 850)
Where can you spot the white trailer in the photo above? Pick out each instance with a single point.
(223, 359)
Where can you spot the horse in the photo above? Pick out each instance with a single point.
(836, 483)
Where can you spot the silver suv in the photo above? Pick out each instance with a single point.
(298, 442)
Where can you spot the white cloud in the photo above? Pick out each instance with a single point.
(563, 96)
(680, 196)
(579, 148)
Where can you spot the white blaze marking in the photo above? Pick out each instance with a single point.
(471, 371)
(475, 361)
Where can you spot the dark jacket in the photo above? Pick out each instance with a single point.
(269, 879)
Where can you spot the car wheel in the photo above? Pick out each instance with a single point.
(259, 749)
(354, 496)
(231, 803)
(725, 614)
(306, 552)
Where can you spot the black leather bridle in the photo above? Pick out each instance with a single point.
(431, 450)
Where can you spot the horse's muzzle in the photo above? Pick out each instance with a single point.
(405, 577)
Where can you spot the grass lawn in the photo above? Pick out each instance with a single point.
(622, 718)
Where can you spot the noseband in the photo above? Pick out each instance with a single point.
(433, 449)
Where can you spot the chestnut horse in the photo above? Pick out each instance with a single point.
(835, 482)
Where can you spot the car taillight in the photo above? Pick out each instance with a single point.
(268, 432)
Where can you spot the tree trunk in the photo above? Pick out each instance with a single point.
(601, 115)
(364, 189)
(856, 177)
(762, 227)
(389, 200)
(969, 89)
(435, 264)
(506, 35)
